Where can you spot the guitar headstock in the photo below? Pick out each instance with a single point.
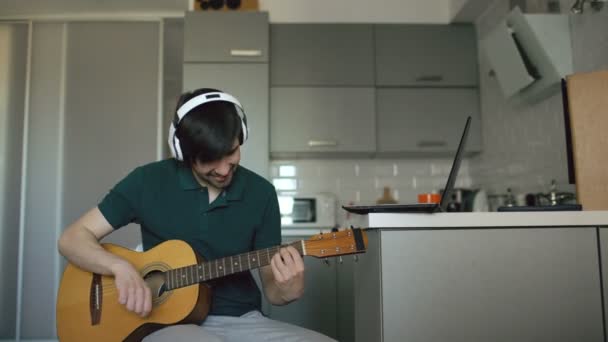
(348, 241)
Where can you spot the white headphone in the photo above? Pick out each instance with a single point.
(183, 110)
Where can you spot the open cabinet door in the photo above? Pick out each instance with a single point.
(588, 111)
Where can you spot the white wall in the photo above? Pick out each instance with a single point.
(376, 11)
(281, 11)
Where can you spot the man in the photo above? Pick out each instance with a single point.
(201, 196)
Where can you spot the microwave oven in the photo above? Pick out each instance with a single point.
(308, 211)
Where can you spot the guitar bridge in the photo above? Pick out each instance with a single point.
(95, 299)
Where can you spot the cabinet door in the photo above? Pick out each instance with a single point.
(322, 120)
(427, 119)
(249, 83)
(226, 37)
(423, 55)
(316, 309)
(321, 54)
(531, 284)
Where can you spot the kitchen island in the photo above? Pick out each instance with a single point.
(531, 276)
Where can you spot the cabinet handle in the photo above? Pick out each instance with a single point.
(245, 53)
(322, 143)
(432, 143)
(430, 78)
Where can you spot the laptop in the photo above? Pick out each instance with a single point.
(421, 207)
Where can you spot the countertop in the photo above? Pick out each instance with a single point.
(488, 220)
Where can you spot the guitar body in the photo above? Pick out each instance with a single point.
(88, 308)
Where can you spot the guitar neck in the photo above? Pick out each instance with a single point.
(193, 274)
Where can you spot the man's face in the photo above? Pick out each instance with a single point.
(218, 174)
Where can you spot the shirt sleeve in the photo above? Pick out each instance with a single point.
(121, 205)
(269, 232)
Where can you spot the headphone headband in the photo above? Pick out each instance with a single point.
(183, 110)
(206, 98)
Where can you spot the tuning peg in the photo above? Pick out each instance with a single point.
(326, 261)
(340, 259)
(355, 258)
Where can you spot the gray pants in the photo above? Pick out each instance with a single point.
(251, 327)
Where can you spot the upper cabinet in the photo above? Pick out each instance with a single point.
(426, 55)
(426, 119)
(243, 37)
(318, 119)
(322, 55)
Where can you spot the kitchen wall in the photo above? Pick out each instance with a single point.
(363, 180)
(524, 145)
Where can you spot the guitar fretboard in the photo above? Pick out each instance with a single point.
(193, 274)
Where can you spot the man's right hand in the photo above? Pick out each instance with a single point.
(133, 292)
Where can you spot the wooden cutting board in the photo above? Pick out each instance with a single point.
(588, 110)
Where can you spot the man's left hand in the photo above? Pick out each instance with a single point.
(288, 271)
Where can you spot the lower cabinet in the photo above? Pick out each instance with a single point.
(536, 284)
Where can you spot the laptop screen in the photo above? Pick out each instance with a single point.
(449, 186)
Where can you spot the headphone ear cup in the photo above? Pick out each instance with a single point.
(178, 149)
(173, 143)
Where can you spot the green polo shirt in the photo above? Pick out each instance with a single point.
(168, 203)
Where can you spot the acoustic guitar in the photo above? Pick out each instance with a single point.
(87, 303)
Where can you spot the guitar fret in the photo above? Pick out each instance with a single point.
(249, 260)
(224, 265)
(231, 264)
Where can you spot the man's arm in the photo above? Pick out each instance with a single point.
(283, 279)
(79, 243)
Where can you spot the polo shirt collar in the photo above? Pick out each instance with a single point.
(233, 193)
(186, 178)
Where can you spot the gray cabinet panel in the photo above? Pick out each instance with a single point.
(322, 54)
(249, 83)
(13, 65)
(111, 112)
(422, 55)
(226, 37)
(322, 119)
(491, 285)
(368, 291)
(426, 119)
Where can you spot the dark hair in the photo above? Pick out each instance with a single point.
(207, 132)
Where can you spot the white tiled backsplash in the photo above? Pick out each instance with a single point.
(362, 181)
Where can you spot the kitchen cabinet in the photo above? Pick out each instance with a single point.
(226, 36)
(249, 83)
(426, 120)
(321, 55)
(229, 51)
(426, 55)
(319, 119)
(524, 284)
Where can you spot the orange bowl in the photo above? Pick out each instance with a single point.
(429, 198)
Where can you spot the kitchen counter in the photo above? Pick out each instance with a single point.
(516, 276)
(489, 220)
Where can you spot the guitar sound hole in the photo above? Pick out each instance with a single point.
(156, 282)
